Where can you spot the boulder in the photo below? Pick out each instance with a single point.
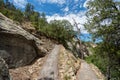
(4, 72)
(17, 46)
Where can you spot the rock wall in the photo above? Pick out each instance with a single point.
(17, 46)
(16, 50)
(4, 73)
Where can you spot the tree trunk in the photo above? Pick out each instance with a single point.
(108, 72)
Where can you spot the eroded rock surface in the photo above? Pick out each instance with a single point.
(4, 73)
(17, 46)
(68, 65)
(29, 72)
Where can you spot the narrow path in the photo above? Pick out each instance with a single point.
(86, 72)
(49, 70)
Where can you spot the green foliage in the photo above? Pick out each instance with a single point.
(61, 31)
(104, 22)
(34, 18)
(29, 10)
(99, 59)
(1, 3)
(9, 10)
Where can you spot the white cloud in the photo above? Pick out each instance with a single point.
(53, 1)
(79, 18)
(66, 9)
(85, 3)
(20, 3)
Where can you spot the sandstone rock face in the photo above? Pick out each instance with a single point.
(4, 73)
(17, 46)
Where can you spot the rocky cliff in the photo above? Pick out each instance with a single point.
(17, 46)
(4, 73)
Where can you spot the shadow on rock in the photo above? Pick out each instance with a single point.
(46, 78)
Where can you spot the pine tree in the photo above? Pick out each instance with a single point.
(34, 18)
(29, 9)
(1, 3)
(104, 23)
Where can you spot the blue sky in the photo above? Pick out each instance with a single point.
(59, 10)
(56, 7)
(51, 7)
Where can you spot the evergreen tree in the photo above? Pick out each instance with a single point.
(1, 3)
(42, 20)
(29, 9)
(104, 23)
(34, 18)
(7, 3)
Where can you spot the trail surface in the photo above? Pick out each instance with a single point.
(49, 70)
(86, 72)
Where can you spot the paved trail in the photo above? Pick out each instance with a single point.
(86, 72)
(49, 70)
